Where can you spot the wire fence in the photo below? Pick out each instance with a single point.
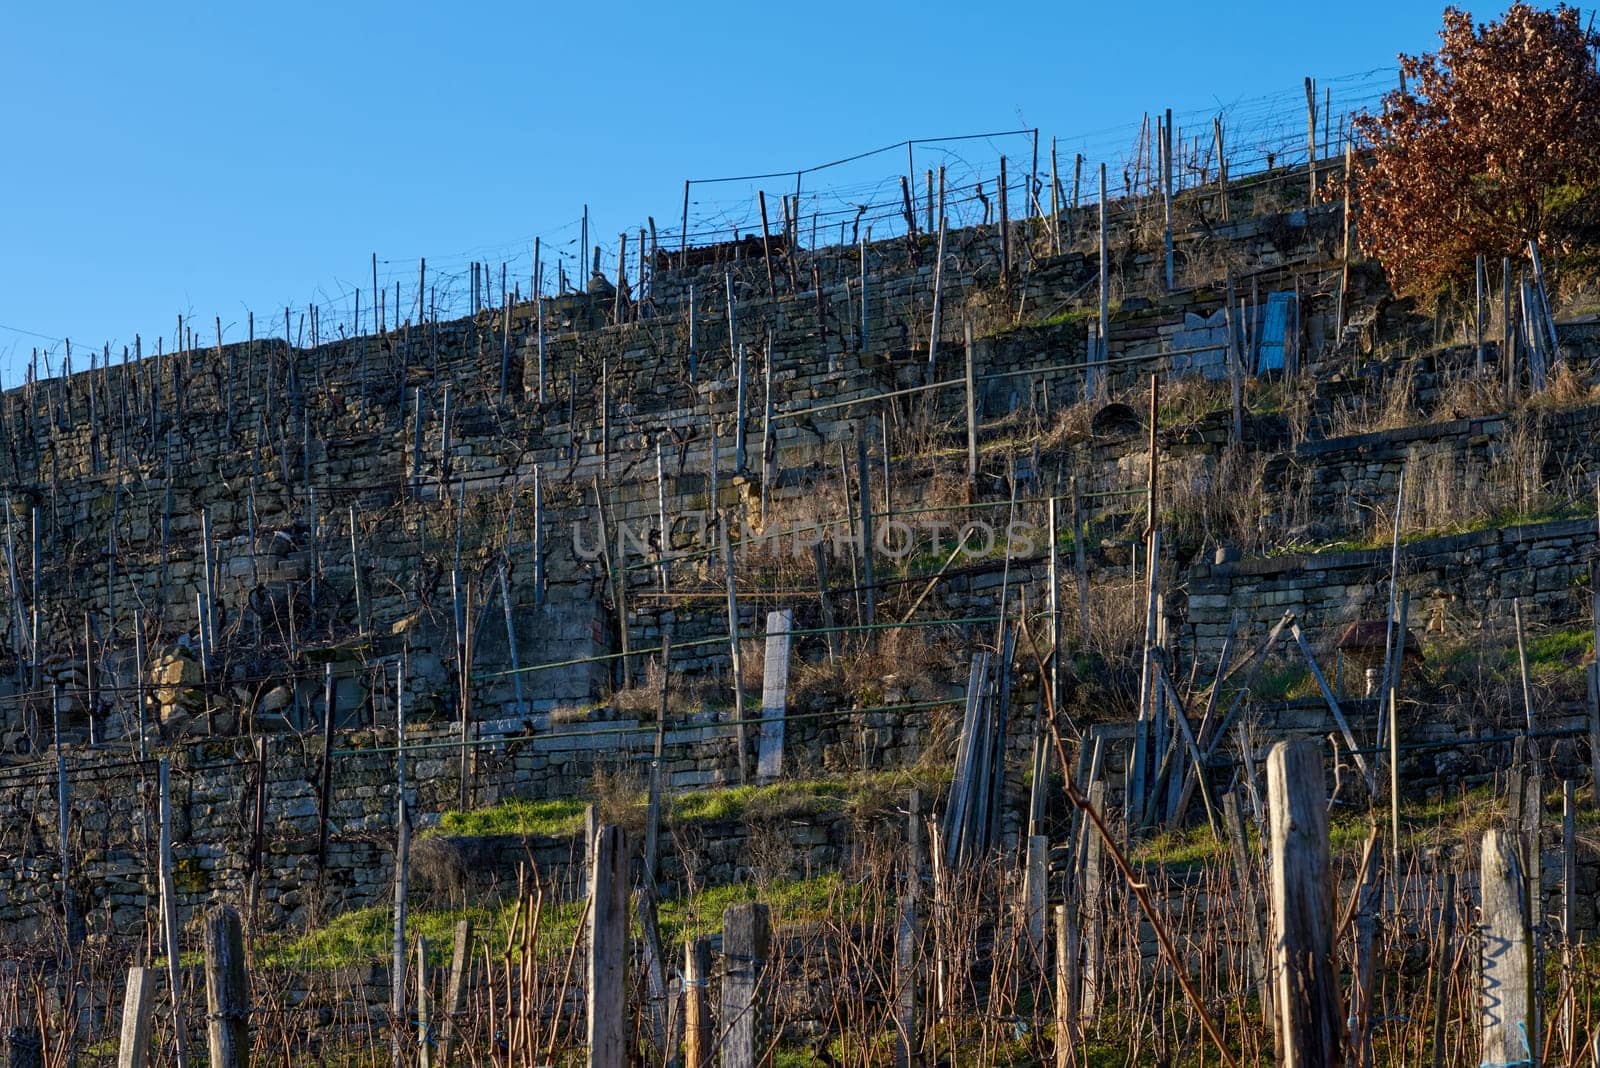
(885, 191)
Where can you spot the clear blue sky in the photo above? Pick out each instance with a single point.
(205, 159)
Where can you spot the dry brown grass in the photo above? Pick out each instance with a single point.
(1395, 406)
(1468, 395)
(1215, 502)
(619, 795)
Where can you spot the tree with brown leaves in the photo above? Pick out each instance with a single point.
(1490, 141)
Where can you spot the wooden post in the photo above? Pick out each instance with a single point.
(938, 300)
(766, 242)
(608, 948)
(972, 414)
(1443, 961)
(455, 995)
(1222, 168)
(774, 697)
(907, 1046)
(1592, 674)
(169, 912)
(746, 944)
(769, 456)
(424, 1026)
(1055, 203)
(1005, 229)
(698, 1037)
(397, 975)
(864, 510)
(138, 1001)
(1035, 886)
(738, 408)
(1311, 143)
(1091, 878)
(63, 824)
(1569, 908)
(1166, 192)
(1506, 999)
(1480, 283)
(683, 231)
(1101, 349)
(1235, 367)
(734, 653)
(1522, 664)
(227, 990)
(1310, 1019)
(1066, 983)
(1508, 359)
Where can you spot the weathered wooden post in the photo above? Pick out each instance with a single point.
(424, 1024)
(1066, 983)
(1506, 998)
(697, 1033)
(1035, 879)
(227, 990)
(1310, 1019)
(864, 488)
(138, 1000)
(1443, 958)
(734, 655)
(972, 412)
(774, 696)
(402, 856)
(169, 911)
(608, 948)
(1091, 901)
(455, 995)
(906, 1043)
(1093, 380)
(746, 942)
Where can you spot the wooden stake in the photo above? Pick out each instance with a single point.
(608, 948)
(1222, 169)
(1311, 142)
(746, 947)
(227, 990)
(1443, 965)
(1102, 350)
(1035, 886)
(698, 1036)
(774, 697)
(733, 648)
(1506, 1001)
(864, 511)
(169, 913)
(424, 1026)
(972, 412)
(938, 295)
(138, 1004)
(907, 1046)
(1309, 1016)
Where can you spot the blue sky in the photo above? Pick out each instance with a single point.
(207, 159)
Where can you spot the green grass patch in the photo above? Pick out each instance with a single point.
(802, 797)
(555, 817)
(1182, 848)
(563, 817)
(365, 936)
